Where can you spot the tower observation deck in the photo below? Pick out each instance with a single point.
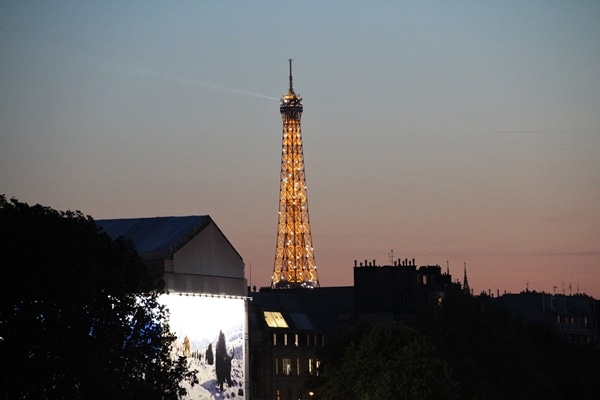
(294, 256)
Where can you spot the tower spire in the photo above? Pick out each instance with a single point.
(291, 86)
(294, 257)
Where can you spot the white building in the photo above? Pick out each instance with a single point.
(191, 252)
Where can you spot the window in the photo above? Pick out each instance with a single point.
(285, 339)
(319, 340)
(274, 319)
(287, 366)
(276, 367)
(298, 366)
(313, 366)
(296, 340)
(274, 339)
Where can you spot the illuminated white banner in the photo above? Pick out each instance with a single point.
(211, 334)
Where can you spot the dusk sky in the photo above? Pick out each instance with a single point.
(446, 131)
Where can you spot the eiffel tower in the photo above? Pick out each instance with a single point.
(294, 256)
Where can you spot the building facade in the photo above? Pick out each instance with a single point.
(287, 330)
(189, 252)
(206, 299)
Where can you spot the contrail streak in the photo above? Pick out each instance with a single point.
(232, 90)
(204, 84)
(145, 73)
(542, 132)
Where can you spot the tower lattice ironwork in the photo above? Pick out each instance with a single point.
(294, 256)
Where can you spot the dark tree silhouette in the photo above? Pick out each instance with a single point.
(464, 347)
(79, 316)
(210, 357)
(389, 362)
(497, 356)
(223, 362)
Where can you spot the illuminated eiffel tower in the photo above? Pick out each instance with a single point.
(294, 257)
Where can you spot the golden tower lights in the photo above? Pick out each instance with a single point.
(294, 257)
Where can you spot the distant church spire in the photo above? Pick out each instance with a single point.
(466, 287)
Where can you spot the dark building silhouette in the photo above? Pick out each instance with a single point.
(574, 317)
(396, 292)
(288, 327)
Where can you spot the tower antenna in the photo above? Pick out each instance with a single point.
(291, 86)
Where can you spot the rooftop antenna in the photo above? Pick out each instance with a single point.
(391, 255)
(291, 86)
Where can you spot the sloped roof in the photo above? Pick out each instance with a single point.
(316, 309)
(156, 236)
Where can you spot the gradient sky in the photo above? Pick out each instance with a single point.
(456, 132)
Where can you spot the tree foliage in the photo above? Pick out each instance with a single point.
(466, 347)
(389, 362)
(79, 316)
(497, 356)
